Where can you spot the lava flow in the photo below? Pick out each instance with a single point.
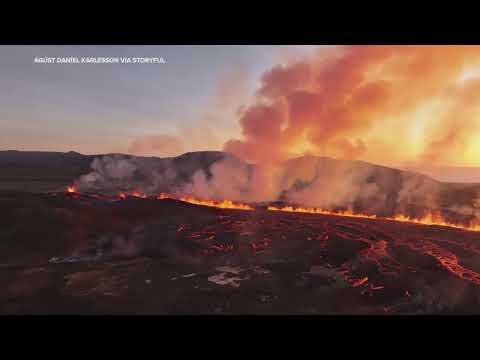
(223, 204)
(320, 211)
(435, 219)
(429, 219)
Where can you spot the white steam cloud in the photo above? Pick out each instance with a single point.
(307, 181)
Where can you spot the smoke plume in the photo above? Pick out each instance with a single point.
(377, 103)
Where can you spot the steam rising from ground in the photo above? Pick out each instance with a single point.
(307, 181)
(225, 178)
(124, 173)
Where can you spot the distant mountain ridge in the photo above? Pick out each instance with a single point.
(14, 163)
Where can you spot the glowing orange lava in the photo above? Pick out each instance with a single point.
(223, 204)
(429, 219)
(320, 211)
(139, 194)
(436, 219)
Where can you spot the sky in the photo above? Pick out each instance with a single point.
(404, 106)
(100, 108)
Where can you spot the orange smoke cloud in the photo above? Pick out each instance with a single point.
(373, 102)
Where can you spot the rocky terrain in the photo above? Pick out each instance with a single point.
(88, 254)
